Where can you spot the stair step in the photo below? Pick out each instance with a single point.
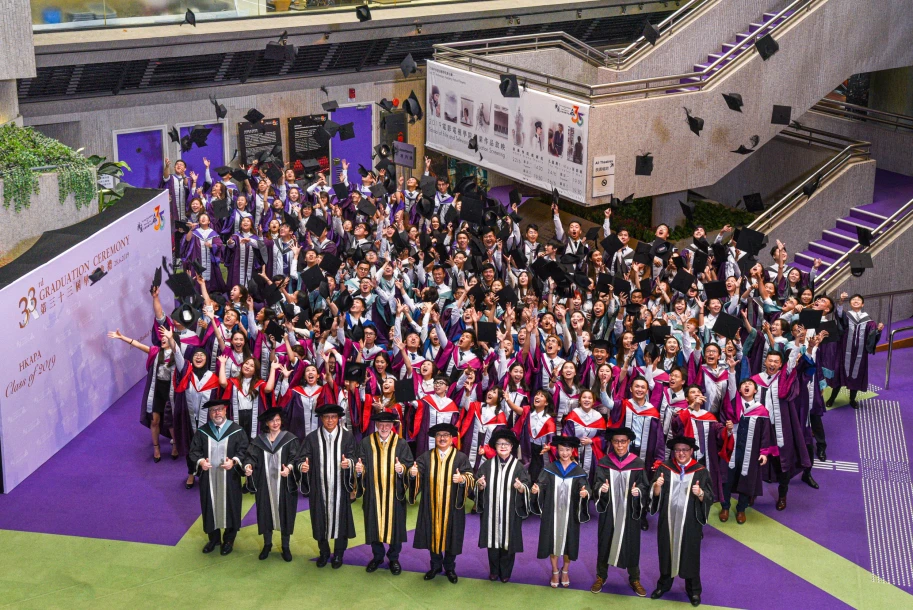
(683, 90)
(754, 27)
(827, 248)
(850, 223)
(867, 215)
(802, 266)
(807, 257)
(842, 237)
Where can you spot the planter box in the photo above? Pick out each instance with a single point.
(45, 213)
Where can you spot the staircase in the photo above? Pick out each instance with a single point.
(892, 191)
(767, 21)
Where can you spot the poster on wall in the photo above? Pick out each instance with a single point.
(303, 145)
(539, 139)
(255, 139)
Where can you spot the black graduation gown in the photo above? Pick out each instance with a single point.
(277, 498)
(681, 530)
(328, 485)
(624, 515)
(576, 510)
(441, 515)
(502, 508)
(220, 490)
(383, 492)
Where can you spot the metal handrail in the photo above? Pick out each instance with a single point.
(475, 61)
(856, 149)
(887, 371)
(862, 113)
(666, 26)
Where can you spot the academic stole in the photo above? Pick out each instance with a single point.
(384, 455)
(440, 480)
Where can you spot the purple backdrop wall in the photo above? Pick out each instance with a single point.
(358, 149)
(143, 152)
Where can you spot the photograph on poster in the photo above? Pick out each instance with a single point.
(450, 107)
(434, 102)
(518, 132)
(466, 111)
(556, 139)
(574, 146)
(501, 119)
(537, 140)
(484, 119)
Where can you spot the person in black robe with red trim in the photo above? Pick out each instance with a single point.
(682, 494)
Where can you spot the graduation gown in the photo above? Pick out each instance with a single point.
(859, 340)
(441, 514)
(188, 396)
(681, 518)
(562, 509)
(752, 437)
(277, 500)
(502, 508)
(326, 484)
(220, 490)
(383, 492)
(619, 511)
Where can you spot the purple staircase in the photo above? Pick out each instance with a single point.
(740, 44)
(892, 191)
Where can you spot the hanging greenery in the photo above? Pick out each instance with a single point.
(26, 153)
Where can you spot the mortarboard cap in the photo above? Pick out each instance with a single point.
(650, 33)
(682, 281)
(377, 191)
(833, 332)
(274, 330)
(508, 85)
(412, 106)
(199, 134)
(603, 282)
(222, 170)
(695, 124)
(363, 13)
(746, 263)
(450, 215)
(316, 225)
(174, 135)
(592, 233)
(220, 208)
(347, 131)
(734, 101)
(186, 144)
(864, 236)
(810, 318)
(472, 210)
(312, 277)
(751, 241)
(809, 189)
(611, 244)
(274, 174)
(621, 285)
(659, 332)
(781, 115)
(330, 263)
(488, 332)
(408, 65)
(271, 294)
(330, 106)
(699, 262)
(366, 207)
(157, 277)
(186, 315)
(355, 371)
(404, 390)
(716, 290)
(859, 262)
(643, 165)
(341, 191)
(190, 18)
(239, 174)
(181, 285)
(507, 295)
(254, 116)
(726, 325)
(742, 150)
(344, 300)
(753, 202)
(386, 104)
(766, 47)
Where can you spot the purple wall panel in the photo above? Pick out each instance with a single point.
(142, 150)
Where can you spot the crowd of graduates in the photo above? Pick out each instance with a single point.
(371, 335)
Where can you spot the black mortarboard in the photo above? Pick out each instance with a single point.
(682, 281)
(288, 310)
(221, 112)
(274, 174)
(274, 330)
(810, 318)
(592, 233)
(157, 277)
(643, 258)
(716, 290)
(643, 165)
(751, 241)
(753, 202)
(96, 275)
(781, 115)
(450, 215)
(387, 416)
(362, 171)
(239, 174)
(355, 371)
(322, 136)
(190, 17)
(174, 135)
(386, 165)
(186, 144)
(734, 101)
(726, 325)
(341, 191)
(293, 222)
(659, 332)
(331, 127)
(476, 293)
(377, 191)
(220, 208)
(400, 240)
(404, 390)
(408, 65)
(366, 207)
(428, 186)
(833, 332)
(488, 332)
(641, 335)
(603, 282)
(611, 244)
(864, 236)
(695, 124)
(742, 150)
(181, 285)
(412, 106)
(859, 262)
(316, 224)
(347, 131)
(445, 427)
(650, 33)
(681, 440)
(507, 295)
(621, 285)
(330, 263)
(186, 315)
(223, 170)
(508, 85)
(472, 210)
(661, 248)
(701, 244)
(271, 294)
(809, 189)
(386, 104)
(330, 106)
(687, 209)
(363, 13)
(199, 134)
(254, 116)
(312, 278)
(699, 262)
(746, 263)
(766, 46)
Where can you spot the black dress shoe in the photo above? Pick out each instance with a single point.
(210, 546)
(189, 485)
(822, 454)
(451, 576)
(322, 561)
(337, 561)
(372, 566)
(226, 548)
(395, 568)
(430, 574)
(492, 577)
(505, 578)
(657, 594)
(695, 600)
(808, 480)
(854, 404)
(644, 525)
(265, 552)
(286, 554)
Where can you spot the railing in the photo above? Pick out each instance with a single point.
(863, 114)
(848, 151)
(471, 56)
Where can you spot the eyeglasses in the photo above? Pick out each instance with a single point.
(504, 446)
(688, 450)
(623, 441)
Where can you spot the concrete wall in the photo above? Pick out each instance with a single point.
(554, 62)
(16, 40)
(772, 171)
(892, 149)
(892, 90)
(835, 39)
(853, 186)
(702, 34)
(294, 98)
(45, 213)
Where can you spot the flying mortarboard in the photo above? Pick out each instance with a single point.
(363, 13)
(508, 85)
(239, 174)
(355, 371)
(330, 106)
(810, 318)
(687, 209)
(221, 112)
(650, 33)
(254, 116)
(859, 262)
(726, 325)
(316, 225)
(488, 332)
(753, 202)
(682, 281)
(751, 241)
(716, 290)
(347, 131)
(734, 101)
(341, 191)
(408, 65)
(312, 277)
(864, 236)
(695, 124)
(781, 115)
(766, 47)
(643, 165)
